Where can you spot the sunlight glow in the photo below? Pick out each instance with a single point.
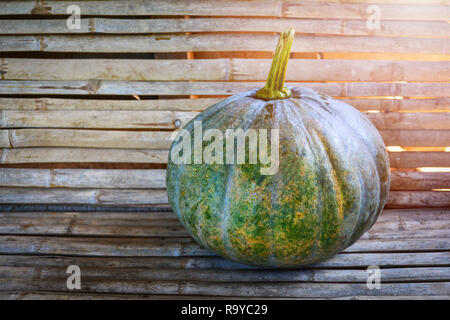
(433, 169)
(395, 149)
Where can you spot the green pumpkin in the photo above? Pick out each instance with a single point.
(331, 184)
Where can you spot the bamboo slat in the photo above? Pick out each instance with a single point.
(318, 290)
(432, 29)
(419, 159)
(95, 119)
(79, 138)
(43, 155)
(79, 178)
(219, 42)
(315, 275)
(173, 119)
(104, 87)
(20, 138)
(232, 8)
(155, 178)
(39, 155)
(201, 263)
(388, 105)
(83, 196)
(222, 69)
(90, 104)
(159, 196)
(399, 225)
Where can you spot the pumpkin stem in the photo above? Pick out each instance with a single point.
(274, 88)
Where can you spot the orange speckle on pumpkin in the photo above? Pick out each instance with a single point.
(300, 214)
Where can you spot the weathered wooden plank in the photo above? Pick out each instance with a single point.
(400, 226)
(147, 7)
(215, 42)
(411, 121)
(402, 105)
(145, 26)
(232, 289)
(107, 87)
(302, 275)
(154, 246)
(314, 290)
(95, 119)
(349, 70)
(114, 69)
(36, 155)
(175, 119)
(419, 198)
(41, 155)
(359, 11)
(155, 178)
(49, 295)
(157, 196)
(419, 159)
(232, 8)
(382, 259)
(412, 180)
(79, 178)
(91, 104)
(83, 196)
(21, 138)
(53, 295)
(387, 105)
(416, 138)
(222, 69)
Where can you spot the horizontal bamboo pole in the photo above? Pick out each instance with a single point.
(389, 105)
(159, 196)
(38, 155)
(341, 260)
(331, 26)
(136, 105)
(235, 8)
(155, 178)
(175, 119)
(96, 119)
(399, 226)
(257, 276)
(107, 87)
(215, 42)
(197, 288)
(79, 138)
(222, 69)
(47, 155)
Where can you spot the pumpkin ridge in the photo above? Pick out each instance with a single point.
(373, 162)
(319, 155)
(307, 136)
(369, 162)
(230, 176)
(361, 204)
